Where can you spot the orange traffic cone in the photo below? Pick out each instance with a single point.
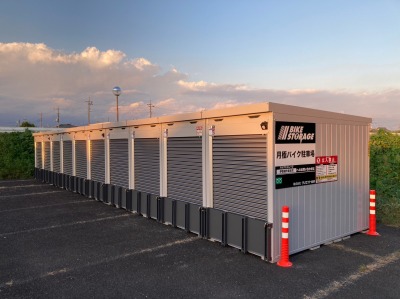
(284, 260)
(372, 214)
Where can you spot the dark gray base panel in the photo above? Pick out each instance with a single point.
(250, 235)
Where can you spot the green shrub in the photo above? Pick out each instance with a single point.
(17, 152)
(385, 175)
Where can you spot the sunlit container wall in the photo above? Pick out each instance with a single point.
(226, 174)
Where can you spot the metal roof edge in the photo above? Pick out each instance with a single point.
(181, 117)
(237, 110)
(224, 112)
(303, 111)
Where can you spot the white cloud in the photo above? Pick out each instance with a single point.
(166, 102)
(35, 78)
(302, 91)
(41, 53)
(195, 86)
(135, 105)
(96, 58)
(34, 53)
(229, 104)
(62, 102)
(141, 63)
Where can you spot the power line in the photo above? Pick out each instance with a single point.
(150, 108)
(90, 103)
(58, 117)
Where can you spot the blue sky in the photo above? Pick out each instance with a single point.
(341, 51)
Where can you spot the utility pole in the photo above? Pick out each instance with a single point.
(89, 103)
(150, 108)
(41, 119)
(58, 117)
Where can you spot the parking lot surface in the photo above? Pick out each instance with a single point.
(58, 244)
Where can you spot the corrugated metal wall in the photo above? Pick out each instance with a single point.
(184, 169)
(81, 159)
(67, 157)
(47, 157)
(38, 155)
(119, 162)
(56, 156)
(147, 165)
(97, 154)
(240, 174)
(327, 211)
(241, 180)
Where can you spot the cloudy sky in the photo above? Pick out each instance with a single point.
(185, 56)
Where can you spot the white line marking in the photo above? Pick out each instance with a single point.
(45, 206)
(14, 181)
(21, 186)
(54, 273)
(29, 194)
(96, 263)
(347, 249)
(63, 225)
(364, 270)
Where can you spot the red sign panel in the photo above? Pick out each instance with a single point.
(326, 169)
(326, 160)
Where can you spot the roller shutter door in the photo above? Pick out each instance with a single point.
(81, 159)
(38, 155)
(97, 154)
(47, 155)
(185, 169)
(56, 156)
(240, 174)
(119, 162)
(147, 165)
(67, 157)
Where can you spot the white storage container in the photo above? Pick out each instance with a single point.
(225, 174)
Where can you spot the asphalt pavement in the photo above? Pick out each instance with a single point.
(58, 244)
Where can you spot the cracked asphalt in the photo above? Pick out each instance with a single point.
(58, 244)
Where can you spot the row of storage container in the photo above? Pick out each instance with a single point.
(240, 165)
(248, 234)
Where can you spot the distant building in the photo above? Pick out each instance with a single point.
(66, 126)
(22, 129)
(375, 130)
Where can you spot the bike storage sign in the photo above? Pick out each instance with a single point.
(295, 161)
(294, 154)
